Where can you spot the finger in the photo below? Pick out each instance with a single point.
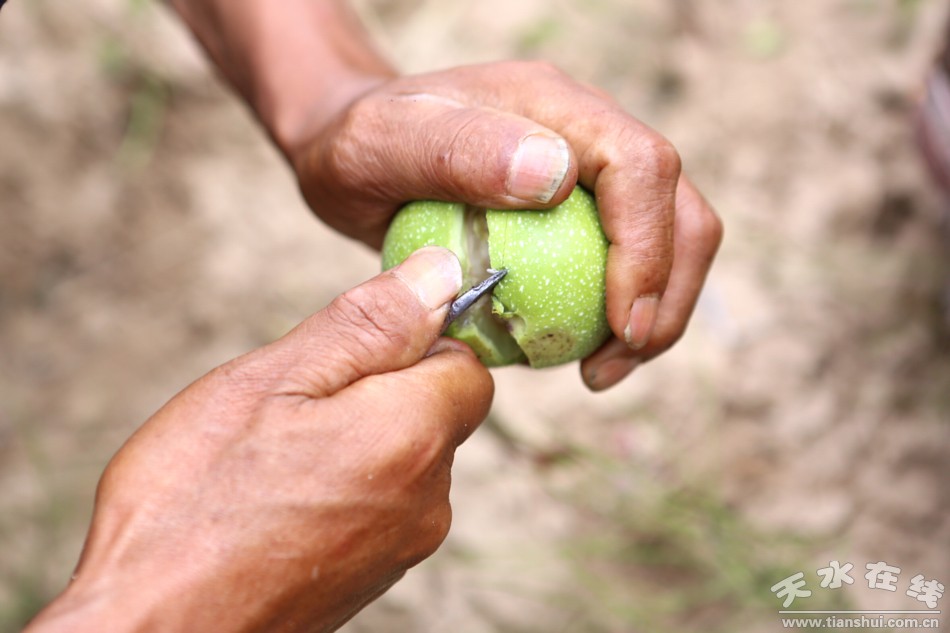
(697, 235)
(465, 386)
(434, 404)
(633, 172)
(631, 168)
(422, 146)
(431, 408)
(386, 324)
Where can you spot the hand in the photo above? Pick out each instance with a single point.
(516, 134)
(293, 485)
(521, 135)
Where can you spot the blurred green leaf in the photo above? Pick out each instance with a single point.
(763, 39)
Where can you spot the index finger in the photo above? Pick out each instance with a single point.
(434, 404)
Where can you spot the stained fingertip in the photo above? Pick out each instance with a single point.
(606, 374)
(609, 365)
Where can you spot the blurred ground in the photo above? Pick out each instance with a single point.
(148, 232)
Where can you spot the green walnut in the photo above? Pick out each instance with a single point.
(550, 307)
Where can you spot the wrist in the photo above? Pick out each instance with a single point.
(297, 62)
(292, 118)
(308, 61)
(126, 589)
(156, 600)
(81, 609)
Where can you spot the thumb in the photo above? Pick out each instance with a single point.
(385, 324)
(475, 154)
(421, 146)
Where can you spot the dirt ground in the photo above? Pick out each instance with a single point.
(148, 232)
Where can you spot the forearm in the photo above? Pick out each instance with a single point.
(296, 62)
(182, 596)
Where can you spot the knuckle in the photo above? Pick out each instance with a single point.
(110, 484)
(700, 226)
(417, 464)
(359, 113)
(646, 151)
(709, 227)
(366, 319)
(428, 532)
(421, 449)
(339, 162)
(435, 528)
(643, 155)
(660, 159)
(451, 160)
(344, 159)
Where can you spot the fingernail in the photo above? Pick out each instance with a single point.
(610, 372)
(538, 168)
(433, 274)
(642, 321)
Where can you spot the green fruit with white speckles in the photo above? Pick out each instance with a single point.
(550, 307)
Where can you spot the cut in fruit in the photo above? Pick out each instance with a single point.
(550, 307)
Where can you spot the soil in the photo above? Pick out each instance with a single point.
(148, 232)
